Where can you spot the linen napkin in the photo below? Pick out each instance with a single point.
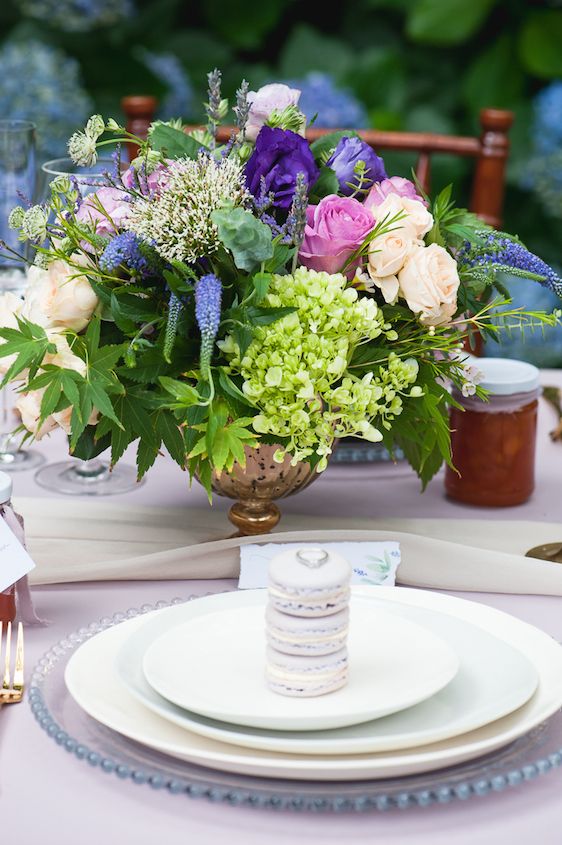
(87, 540)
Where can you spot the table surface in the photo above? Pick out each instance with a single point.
(48, 797)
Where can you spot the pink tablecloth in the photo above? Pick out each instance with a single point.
(48, 797)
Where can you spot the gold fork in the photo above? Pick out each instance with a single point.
(11, 690)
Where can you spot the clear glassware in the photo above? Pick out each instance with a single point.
(17, 184)
(75, 477)
(531, 756)
(89, 180)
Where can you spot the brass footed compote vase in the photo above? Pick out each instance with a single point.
(258, 485)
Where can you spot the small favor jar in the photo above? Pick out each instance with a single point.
(493, 442)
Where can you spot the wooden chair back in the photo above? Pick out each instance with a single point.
(490, 151)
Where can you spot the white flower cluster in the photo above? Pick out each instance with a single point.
(82, 146)
(472, 376)
(178, 218)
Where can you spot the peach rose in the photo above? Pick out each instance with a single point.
(416, 214)
(29, 407)
(10, 307)
(429, 282)
(59, 297)
(29, 404)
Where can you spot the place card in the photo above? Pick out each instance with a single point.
(15, 562)
(372, 562)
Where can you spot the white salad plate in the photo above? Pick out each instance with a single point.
(93, 681)
(213, 664)
(493, 679)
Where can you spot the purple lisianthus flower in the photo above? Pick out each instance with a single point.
(278, 157)
(347, 155)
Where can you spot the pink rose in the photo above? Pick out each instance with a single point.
(395, 185)
(156, 179)
(335, 228)
(429, 282)
(115, 204)
(267, 99)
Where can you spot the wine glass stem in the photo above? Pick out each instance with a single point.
(91, 470)
(6, 435)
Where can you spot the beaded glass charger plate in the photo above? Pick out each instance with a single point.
(535, 753)
(494, 679)
(213, 663)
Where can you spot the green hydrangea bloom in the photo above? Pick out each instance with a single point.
(295, 370)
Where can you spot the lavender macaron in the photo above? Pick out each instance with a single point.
(296, 675)
(308, 635)
(309, 582)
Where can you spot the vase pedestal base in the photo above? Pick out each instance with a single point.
(256, 516)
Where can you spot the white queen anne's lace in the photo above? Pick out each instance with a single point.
(178, 219)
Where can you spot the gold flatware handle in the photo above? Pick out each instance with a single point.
(551, 552)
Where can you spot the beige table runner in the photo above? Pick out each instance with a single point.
(84, 540)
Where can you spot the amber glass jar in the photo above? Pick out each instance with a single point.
(493, 442)
(8, 597)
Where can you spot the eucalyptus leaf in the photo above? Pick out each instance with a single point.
(247, 238)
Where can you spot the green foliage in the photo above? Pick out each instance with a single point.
(451, 22)
(541, 36)
(173, 143)
(248, 239)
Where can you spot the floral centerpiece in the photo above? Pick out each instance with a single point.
(212, 298)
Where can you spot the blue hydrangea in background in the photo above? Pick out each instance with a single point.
(77, 15)
(178, 102)
(543, 174)
(547, 127)
(43, 84)
(336, 107)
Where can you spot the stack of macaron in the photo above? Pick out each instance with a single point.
(307, 621)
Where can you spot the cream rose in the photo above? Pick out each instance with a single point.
(10, 307)
(59, 297)
(29, 404)
(429, 282)
(29, 407)
(417, 217)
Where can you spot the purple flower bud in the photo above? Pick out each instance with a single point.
(345, 158)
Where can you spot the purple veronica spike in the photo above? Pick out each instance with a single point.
(505, 254)
(208, 294)
(123, 249)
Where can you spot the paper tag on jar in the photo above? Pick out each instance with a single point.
(371, 562)
(15, 562)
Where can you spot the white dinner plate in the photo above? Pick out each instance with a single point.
(95, 685)
(493, 679)
(213, 663)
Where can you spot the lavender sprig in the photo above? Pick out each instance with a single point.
(208, 295)
(214, 103)
(296, 220)
(242, 110)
